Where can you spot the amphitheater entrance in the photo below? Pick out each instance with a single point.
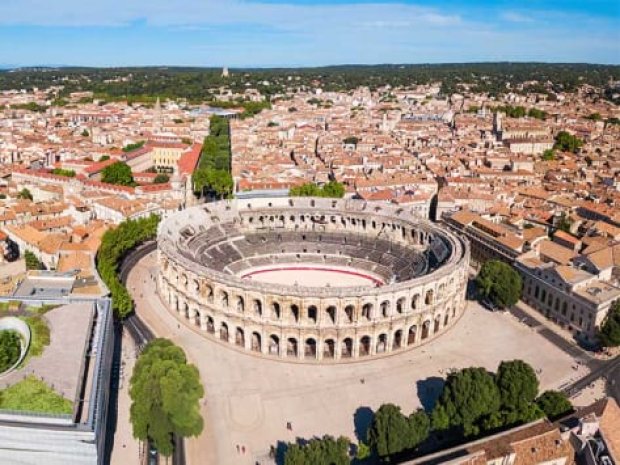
(210, 325)
(382, 343)
(347, 348)
(224, 332)
(398, 340)
(329, 348)
(310, 348)
(365, 346)
(256, 342)
(274, 345)
(291, 347)
(426, 327)
(412, 335)
(240, 337)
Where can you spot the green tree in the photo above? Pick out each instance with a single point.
(10, 349)
(469, 396)
(85, 133)
(564, 223)
(161, 179)
(32, 262)
(500, 283)
(554, 403)
(332, 189)
(104, 158)
(63, 172)
(517, 383)
(392, 432)
(351, 140)
(25, 194)
(609, 333)
(595, 117)
(548, 155)
(326, 450)
(566, 142)
(134, 146)
(118, 173)
(165, 392)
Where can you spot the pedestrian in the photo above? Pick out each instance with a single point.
(243, 450)
(237, 448)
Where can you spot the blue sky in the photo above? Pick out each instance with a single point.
(305, 32)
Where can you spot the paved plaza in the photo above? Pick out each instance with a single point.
(249, 399)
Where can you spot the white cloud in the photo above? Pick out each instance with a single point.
(515, 17)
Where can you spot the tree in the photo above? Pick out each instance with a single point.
(554, 403)
(564, 223)
(32, 262)
(351, 140)
(548, 155)
(104, 158)
(517, 383)
(325, 450)
(567, 142)
(165, 392)
(609, 333)
(85, 133)
(392, 432)
(332, 189)
(134, 146)
(500, 283)
(161, 179)
(118, 173)
(63, 172)
(25, 194)
(595, 117)
(469, 396)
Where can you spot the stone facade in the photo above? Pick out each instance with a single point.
(304, 323)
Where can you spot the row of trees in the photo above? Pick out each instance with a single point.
(134, 146)
(566, 142)
(610, 329)
(500, 283)
(165, 392)
(32, 262)
(473, 403)
(332, 189)
(114, 245)
(213, 172)
(63, 172)
(10, 349)
(520, 112)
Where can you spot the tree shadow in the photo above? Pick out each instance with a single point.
(362, 419)
(280, 451)
(429, 390)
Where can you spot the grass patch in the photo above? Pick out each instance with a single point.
(33, 395)
(39, 336)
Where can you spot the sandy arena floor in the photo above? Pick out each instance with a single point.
(311, 276)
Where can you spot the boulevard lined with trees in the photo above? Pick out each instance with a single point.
(213, 172)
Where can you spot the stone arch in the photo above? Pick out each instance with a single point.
(382, 343)
(331, 313)
(240, 305)
(346, 350)
(426, 326)
(400, 305)
(310, 348)
(364, 348)
(385, 308)
(415, 302)
(313, 314)
(210, 325)
(257, 306)
(349, 312)
(256, 342)
(411, 335)
(292, 349)
(240, 337)
(429, 297)
(329, 348)
(397, 341)
(275, 310)
(274, 345)
(224, 331)
(437, 324)
(224, 299)
(367, 311)
(295, 313)
(446, 318)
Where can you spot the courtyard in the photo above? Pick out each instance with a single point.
(249, 400)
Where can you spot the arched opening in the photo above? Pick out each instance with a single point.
(224, 332)
(312, 314)
(310, 348)
(437, 324)
(196, 318)
(382, 343)
(347, 348)
(367, 311)
(428, 300)
(291, 347)
(256, 342)
(331, 314)
(295, 313)
(240, 304)
(258, 307)
(348, 312)
(365, 346)
(412, 335)
(224, 299)
(209, 293)
(415, 302)
(210, 325)
(385, 308)
(446, 319)
(240, 337)
(274, 345)
(400, 305)
(397, 343)
(425, 329)
(275, 310)
(329, 348)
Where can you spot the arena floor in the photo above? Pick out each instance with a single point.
(311, 276)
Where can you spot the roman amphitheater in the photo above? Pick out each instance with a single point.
(305, 279)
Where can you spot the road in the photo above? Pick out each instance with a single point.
(608, 369)
(141, 333)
